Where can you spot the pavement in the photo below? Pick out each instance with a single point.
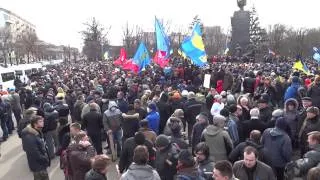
(14, 165)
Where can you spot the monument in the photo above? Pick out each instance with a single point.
(240, 23)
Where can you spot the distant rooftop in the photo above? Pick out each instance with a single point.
(10, 12)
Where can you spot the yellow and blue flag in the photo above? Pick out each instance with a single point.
(301, 66)
(142, 58)
(193, 47)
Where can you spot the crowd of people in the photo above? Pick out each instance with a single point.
(256, 121)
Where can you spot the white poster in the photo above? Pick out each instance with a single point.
(206, 81)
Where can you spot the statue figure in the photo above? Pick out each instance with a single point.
(241, 4)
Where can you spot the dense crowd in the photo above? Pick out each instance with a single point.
(256, 121)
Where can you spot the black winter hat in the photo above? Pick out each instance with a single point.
(186, 158)
(162, 141)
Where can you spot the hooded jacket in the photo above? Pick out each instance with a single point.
(153, 118)
(112, 118)
(277, 147)
(292, 91)
(292, 116)
(140, 172)
(219, 142)
(50, 118)
(94, 175)
(35, 147)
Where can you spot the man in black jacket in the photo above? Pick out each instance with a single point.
(129, 145)
(50, 126)
(254, 141)
(35, 147)
(92, 122)
(310, 159)
(191, 109)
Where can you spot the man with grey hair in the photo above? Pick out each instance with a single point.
(218, 139)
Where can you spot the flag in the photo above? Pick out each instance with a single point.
(163, 46)
(193, 47)
(122, 58)
(316, 55)
(300, 65)
(141, 58)
(272, 52)
(130, 65)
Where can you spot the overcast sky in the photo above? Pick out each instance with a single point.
(59, 21)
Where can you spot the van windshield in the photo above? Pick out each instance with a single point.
(9, 76)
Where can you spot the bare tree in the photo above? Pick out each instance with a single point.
(5, 43)
(277, 34)
(215, 40)
(28, 39)
(131, 37)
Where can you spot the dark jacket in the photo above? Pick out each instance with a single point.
(254, 124)
(311, 125)
(237, 153)
(265, 114)
(314, 93)
(196, 133)
(191, 109)
(182, 144)
(126, 156)
(190, 172)
(248, 85)
(79, 159)
(130, 126)
(63, 138)
(92, 122)
(35, 147)
(50, 118)
(262, 171)
(164, 111)
(94, 175)
(77, 110)
(310, 159)
(62, 108)
(292, 117)
(123, 105)
(277, 147)
(165, 169)
(206, 169)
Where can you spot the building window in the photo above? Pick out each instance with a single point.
(7, 76)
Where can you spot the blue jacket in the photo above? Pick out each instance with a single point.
(292, 91)
(277, 147)
(233, 131)
(153, 118)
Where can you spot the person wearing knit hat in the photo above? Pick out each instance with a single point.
(314, 92)
(186, 166)
(310, 123)
(166, 157)
(278, 146)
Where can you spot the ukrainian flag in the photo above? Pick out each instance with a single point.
(193, 47)
(299, 65)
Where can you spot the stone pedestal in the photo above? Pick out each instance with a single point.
(240, 23)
